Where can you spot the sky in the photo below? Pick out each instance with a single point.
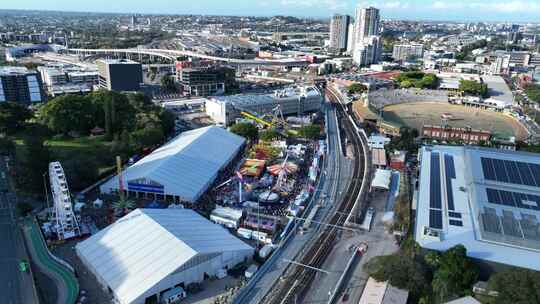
(458, 10)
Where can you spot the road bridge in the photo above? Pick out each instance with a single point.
(172, 55)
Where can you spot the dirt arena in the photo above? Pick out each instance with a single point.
(415, 115)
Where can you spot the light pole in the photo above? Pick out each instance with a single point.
(46, 192)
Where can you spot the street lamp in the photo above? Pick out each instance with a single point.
(46, 192)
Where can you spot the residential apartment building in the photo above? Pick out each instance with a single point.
(339, 32)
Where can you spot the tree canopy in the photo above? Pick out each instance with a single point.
(311, 131)
(516, 285)
(454, 273)
(417, 79)
(533, 92)
(474, 88)
(12, 117)
(246, 130)
(269, 135)
(167, 82)
(356, 88)
(115, 112)
(401, 271)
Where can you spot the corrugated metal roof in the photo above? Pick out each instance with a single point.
(187, 164)
(147, 245)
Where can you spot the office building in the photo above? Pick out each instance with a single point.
(404, 52)
(368, 43)
(18, 84)
(225, 109)
(206, 81)
(339, 32)
(487, 200)
(120, 74)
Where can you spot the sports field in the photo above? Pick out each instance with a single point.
(415, 115)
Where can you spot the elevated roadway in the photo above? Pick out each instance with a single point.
(171, 55)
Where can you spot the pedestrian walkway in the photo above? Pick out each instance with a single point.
(67, 285)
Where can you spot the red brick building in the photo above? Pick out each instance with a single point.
(466, 135)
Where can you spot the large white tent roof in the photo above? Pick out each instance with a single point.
(147, 245)
(186, 165)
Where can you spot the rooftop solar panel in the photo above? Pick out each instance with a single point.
(508, 171)
(450, 171)
(487, 168)
(500, 170)
(435, 219)
(525, 174)
(513, 172)
(435, 181)
(490, 221)
(513, 199)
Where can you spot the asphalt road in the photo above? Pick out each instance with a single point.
(16, 287)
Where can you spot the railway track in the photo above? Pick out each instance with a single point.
(298, 278)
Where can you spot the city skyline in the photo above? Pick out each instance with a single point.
(459, 10)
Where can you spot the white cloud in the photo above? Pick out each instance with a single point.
(330, 4)
(394, 5)
(515, 6)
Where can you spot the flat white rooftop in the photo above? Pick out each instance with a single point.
(486, 199)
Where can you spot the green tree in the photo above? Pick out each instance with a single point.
(12, 117)
(454, 275)
(473, 87)
(24, 208)
(167, 82)
(356, 88)
(533, 92)
(245, 130)
(310, 131)
(7, 146)
(147, 137)
(32, 164)
(269, 135)
(68, 113)
(516, 285)
(401, 271)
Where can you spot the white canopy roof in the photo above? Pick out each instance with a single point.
(186, 165)
(381, 179)
(147, 245)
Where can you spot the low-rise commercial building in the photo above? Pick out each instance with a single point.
(294, 100)
(487, 200)
(206, 81)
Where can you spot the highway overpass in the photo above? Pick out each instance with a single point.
(171, 55)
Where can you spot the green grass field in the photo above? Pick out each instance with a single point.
(415, 115)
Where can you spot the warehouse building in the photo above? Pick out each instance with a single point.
(150, 251)
(292, 101)
(486, 199)
(181, 170)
